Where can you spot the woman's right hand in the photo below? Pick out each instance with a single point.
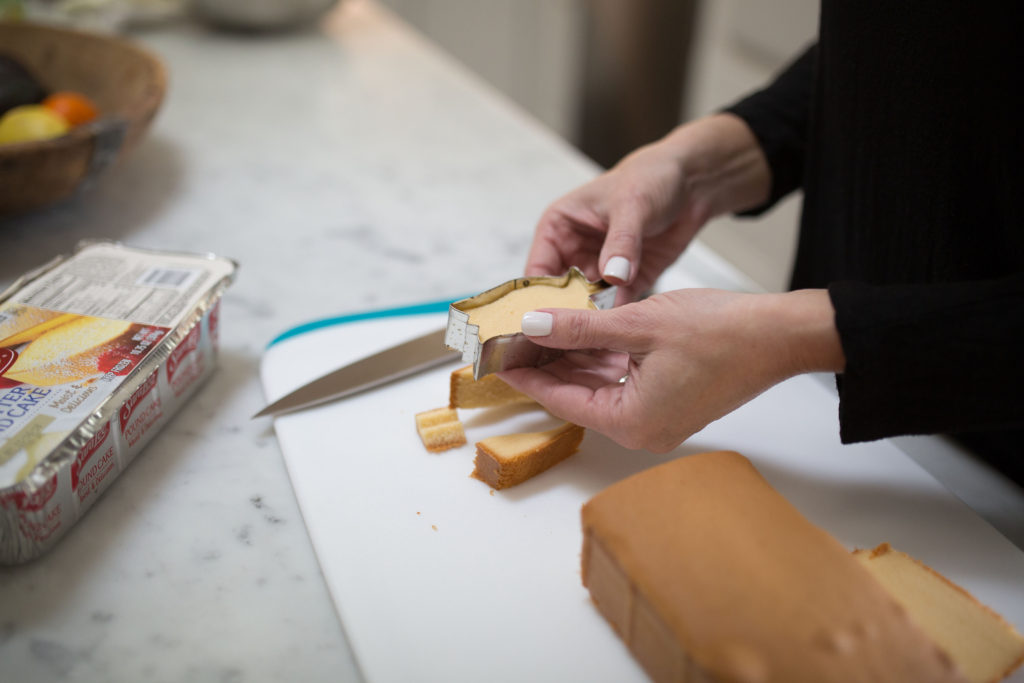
(630, 223)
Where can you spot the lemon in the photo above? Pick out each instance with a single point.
(31, 122)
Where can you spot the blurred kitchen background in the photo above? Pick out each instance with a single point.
(610, 75)
(606, 75)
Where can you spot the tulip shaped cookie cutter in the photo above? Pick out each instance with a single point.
(513, 350)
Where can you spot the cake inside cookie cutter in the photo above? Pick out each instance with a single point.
(475, 325)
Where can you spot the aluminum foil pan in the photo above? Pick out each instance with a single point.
(516, 350)
(97, 351)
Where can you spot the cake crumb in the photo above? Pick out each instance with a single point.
(434, 527)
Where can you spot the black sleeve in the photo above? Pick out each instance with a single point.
(934, 358)
(779, 115)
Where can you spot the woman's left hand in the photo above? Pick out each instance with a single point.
(689, 357)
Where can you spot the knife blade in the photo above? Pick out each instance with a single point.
(407, 358)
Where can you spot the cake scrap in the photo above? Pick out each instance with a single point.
(488, 391)
(510, 459)
(503, 460)
(440, 429)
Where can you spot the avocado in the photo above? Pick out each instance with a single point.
(17, 84)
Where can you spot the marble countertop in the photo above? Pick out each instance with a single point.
(347, 167)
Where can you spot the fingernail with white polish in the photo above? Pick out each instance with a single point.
(617, 267)
(537, 324)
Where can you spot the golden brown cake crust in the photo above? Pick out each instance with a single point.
(501, 464)
(486, 392)
(703, 548)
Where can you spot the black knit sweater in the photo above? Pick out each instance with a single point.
(903, 127)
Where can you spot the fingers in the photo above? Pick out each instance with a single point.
(561, 242)
(610, 408)
(622, 250)
(570, 232)
(592, 369)
(545, 257)
(593, 407)
(617, 329)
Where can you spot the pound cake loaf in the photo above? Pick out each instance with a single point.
(984, 646)
(510, 459)
(709, 574)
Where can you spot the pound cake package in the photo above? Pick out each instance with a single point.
(97, 351)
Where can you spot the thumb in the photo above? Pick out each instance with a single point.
(568, 328)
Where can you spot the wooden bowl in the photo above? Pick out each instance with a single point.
(126, 83)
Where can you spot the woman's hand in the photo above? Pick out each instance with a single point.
(689, 357)
(632, 222)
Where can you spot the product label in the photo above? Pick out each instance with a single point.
(34, 501)
(37, 519)
(108, 281)
(214, 322)
(21, 451)
(144, 338)
(7, 358)
(93, 465)
(18, 405)
(71, 337)
(141, 411)
(185, 364)
(61, 367)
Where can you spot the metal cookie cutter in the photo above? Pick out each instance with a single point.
(507, 351)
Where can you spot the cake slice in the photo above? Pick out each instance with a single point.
(504, 315)
(983, 645)
(486, 392)
(68, 352)
(440, 429)
(707, 573)
(20, 324)
(510, 459)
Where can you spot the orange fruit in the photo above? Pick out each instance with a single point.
(74, 107)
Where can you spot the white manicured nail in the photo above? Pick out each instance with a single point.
(617, 267)
(537, 324)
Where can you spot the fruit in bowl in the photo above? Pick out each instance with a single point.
(104, 92)
(17, 84)
(75, 108)
(29, 122)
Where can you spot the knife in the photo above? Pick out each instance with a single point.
(403, 360)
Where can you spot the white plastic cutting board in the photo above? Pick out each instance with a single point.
(436, 577)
